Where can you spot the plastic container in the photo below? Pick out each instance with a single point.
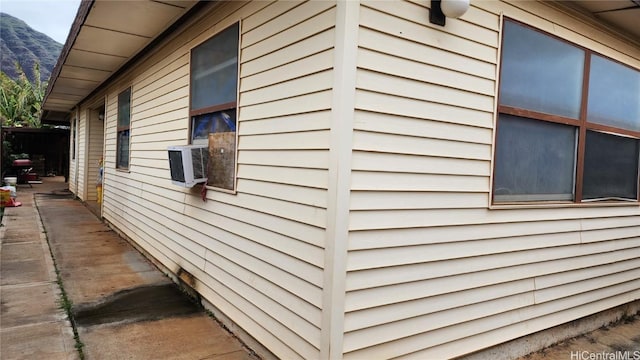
(11, 180)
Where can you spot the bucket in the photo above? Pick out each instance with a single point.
(11, 180)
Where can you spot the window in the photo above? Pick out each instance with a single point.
(568, 127)
(74, 126)
(214, 92)
(124, 121)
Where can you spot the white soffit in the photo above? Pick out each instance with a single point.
(113, 32)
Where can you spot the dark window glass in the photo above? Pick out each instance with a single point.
(540, 73)
(73, 140)
(535, 160)
(124, 120)
(610, 167)
(123, 149)
(214, 70)
(124, 108)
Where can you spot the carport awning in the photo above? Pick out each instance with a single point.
(623, 14)
(105, 36)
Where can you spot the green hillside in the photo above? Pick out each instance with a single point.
(20, 42)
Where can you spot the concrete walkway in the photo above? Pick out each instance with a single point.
(618, 342)
(123, 307)
(32, 323)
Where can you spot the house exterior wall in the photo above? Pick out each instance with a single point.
(81, 156)
(432, 270)
(73, 155)
(95, 151)
(256, 254)
(361, 226)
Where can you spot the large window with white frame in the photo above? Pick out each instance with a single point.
(568, 127)
(213, 103)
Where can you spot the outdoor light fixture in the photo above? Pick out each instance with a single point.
(442, 9)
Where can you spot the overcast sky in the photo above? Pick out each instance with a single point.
(52, 17)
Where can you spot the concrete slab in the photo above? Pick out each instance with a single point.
(18, 235)
(22, 251)
(194, 337)
(22, 263)
(53, 340)
(139, 304)
(28, 304)
(620, 340)
(91, 287)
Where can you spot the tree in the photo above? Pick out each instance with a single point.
(20, 99)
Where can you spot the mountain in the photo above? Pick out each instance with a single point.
(18, 41)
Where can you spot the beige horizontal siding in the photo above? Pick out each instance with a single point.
(311, 18)
(94, 154)
(420, 90)
(411, 13)
(294, 194)
(311, 159)
(292, 53)
(403, 144)
(164, 73)
(173, 123)
(366, 318)
(417, 325)
(403, 200)
(496, 336)
(371, 295)
(413, 108)
(175, 94)
(81, 155)
(291, 123)
(478, 43)
(422, 56)
(308, 140)
(383, 219)
(387, 181)
(73, 158)
(286, 89)
(257, 254)
(312, 102)
(419, 164)
(432, 271)
(482, 331)
(301, 68)
(389, 124)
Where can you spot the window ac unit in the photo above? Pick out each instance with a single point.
(188, 164)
